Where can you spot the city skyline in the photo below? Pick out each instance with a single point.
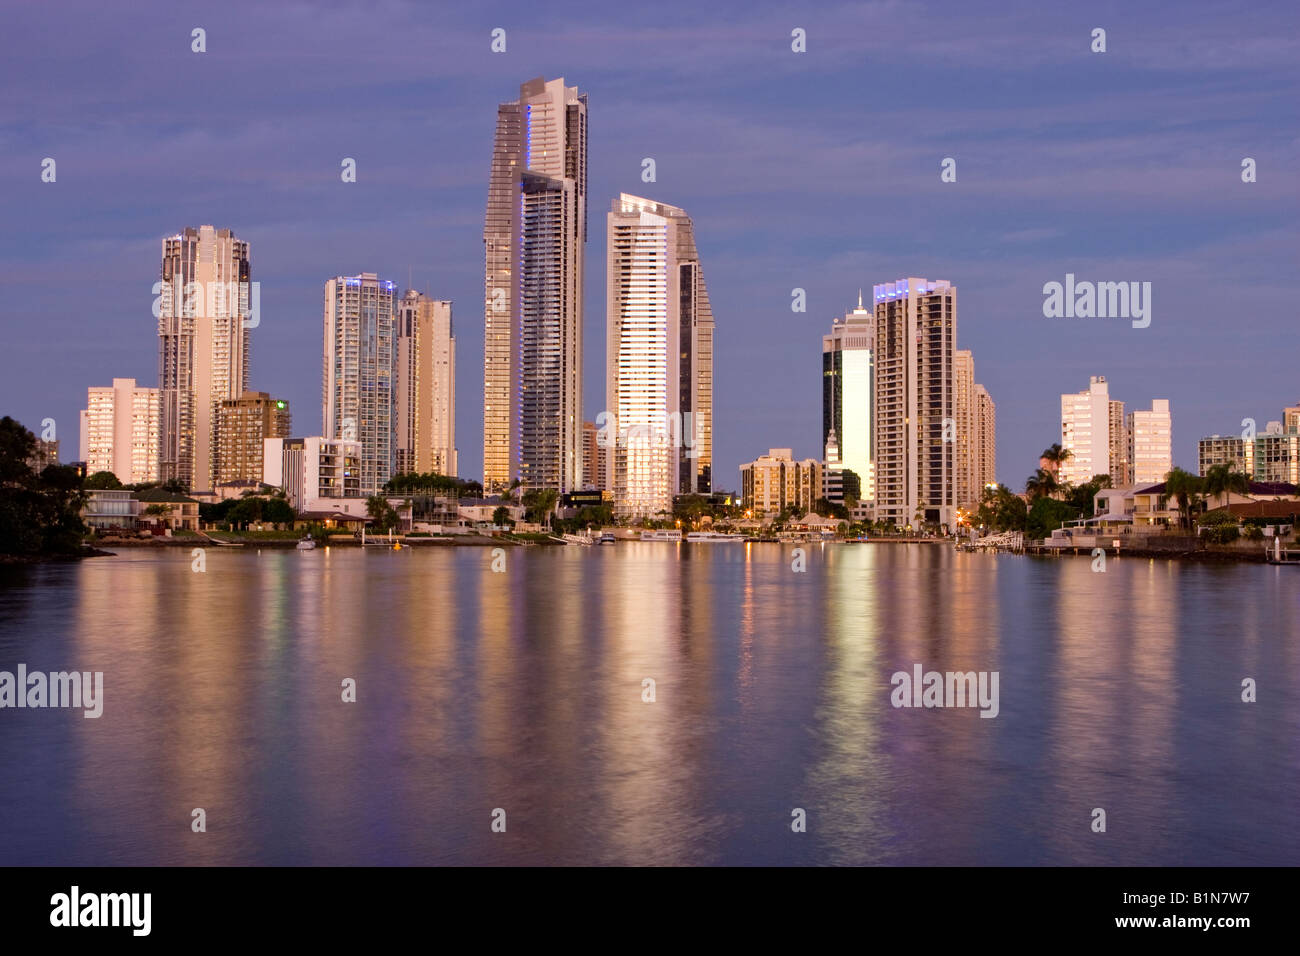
(1098, 213)
(861, 434)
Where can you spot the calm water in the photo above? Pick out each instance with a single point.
(522, 690)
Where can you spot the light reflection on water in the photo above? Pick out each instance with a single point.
(523, 690)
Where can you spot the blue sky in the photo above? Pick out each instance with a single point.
(817, 170)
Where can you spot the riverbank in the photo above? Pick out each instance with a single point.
(1202, 554)
(230, 540)
(85, 552)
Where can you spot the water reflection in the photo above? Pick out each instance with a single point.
(523, 691)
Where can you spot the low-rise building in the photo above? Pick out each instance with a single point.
(1227, 450)
(110, 509)
(168, 509)
(479, 511)
(331, 521)
(775, 481)
(1272, 455)
(316, 473)
(45, 453)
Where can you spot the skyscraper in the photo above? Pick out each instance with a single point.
(975, 435)
(987, 446)
(847, 384)
(966, 434)
(534, 238)
(659, 359)
(121, 429)
(205, 308)
(595, 462)
(915, 342)
(357, 375)
(1150, 435)
(425, 386)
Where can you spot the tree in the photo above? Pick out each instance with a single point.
(1041, 484)
(384, 514)
(431, 483)
(1083, 497)
(830, 509)
(279, 511)
(1048, 514)
(691, 507)
(39, 514)
(1001, 509)
(1186, 489)
(1221, 479)
(538, 503)
(175, 485)
(501, 517)
(217, 512)
(103, 480)
(245, 510)
(1056, 455)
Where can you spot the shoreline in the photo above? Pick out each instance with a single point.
(109, 548)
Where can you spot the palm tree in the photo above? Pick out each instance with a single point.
(1224, 478)
(1041, 484)
(1186, 488)
(1056, 456)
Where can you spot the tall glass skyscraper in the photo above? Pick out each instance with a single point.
(847, 382)
(534, 237)
(204, 306)
(659, 358)
(915, 345)
(425, 386)
(357, 400)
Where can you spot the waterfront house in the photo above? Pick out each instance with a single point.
(168, 510)
(107, 509)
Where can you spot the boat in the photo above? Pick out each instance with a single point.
(663, 535)
(608, 538)
(306, 544)
(712, 537)
(576, 539)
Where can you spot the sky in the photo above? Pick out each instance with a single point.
(817, 170)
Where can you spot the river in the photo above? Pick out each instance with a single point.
(525, 691)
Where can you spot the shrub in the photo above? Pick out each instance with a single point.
(1221, 534)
